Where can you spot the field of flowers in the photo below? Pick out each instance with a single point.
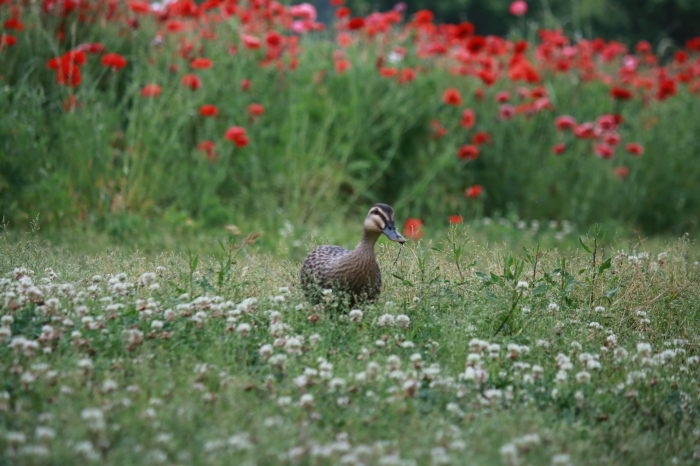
(212, 113)
(471, 356)
(256, 116)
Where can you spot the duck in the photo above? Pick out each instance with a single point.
(352, 275)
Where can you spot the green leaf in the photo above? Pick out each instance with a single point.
(604, 266)
(539, 290)
(584, 246)
(403, 280)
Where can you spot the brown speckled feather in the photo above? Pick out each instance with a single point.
(352, 273)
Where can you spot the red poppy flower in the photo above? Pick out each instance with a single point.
(693, 44)
(6, 39)
(355, 23)
(604, 151)
(74, 57)
(388, 72)
(473, 192)
(680, 57)
(643, 47)
(558, 149)
(92, 47)
(584, 131)
(424, 16)
(14, 24)
(345, 40)
(565, 122)
(634, 148)
(454, 219)
(237, 135)
(67, 67)
(245, 85)
(341, 66)
(621, 172)
(337, 2)
(274, 39)
(151, 90)
(468, 152)
(255, 110)
(412, 229)
(611, 139)
(138, 6)
(502, 97)
(506, 112)
(608, 122)
(481, 137)
(468, 118)
(620, 93)
(452, 97)
(518, 8)
(192, 81)
(201, 63)
(479, 94)
(407, 75)
(208, 110)
(251, 42)
(175, 26)
(114, 61)
(342, 12)
(667, 88)
(208, 148)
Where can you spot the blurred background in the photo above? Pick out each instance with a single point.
(627, 21)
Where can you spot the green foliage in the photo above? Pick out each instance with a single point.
(327, 146)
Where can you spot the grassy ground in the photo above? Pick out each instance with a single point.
(123, 357)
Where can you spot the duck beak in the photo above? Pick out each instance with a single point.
(391, 233)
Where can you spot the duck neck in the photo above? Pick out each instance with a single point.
(366, 245)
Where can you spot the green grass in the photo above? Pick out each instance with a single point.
(328, 145)
(200, 390)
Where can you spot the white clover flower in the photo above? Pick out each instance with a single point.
(509, 452)
(266, 350)
(599, 309)
(293, 345)
(45, 433)
(148, 278)
(644, 349)
(243, 329)
(583, 377)
(307, 401)
(385, 320)
(336, 384)
(561, 459)
(393, 362)
(522, 286)
(553, 307)
(356, 315)
(109, 385)
(86, 450)
(402, 321)
(94, 418)
(156, 324)
(15, 438)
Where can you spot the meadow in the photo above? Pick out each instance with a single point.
(165, 167)
(585, 356)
